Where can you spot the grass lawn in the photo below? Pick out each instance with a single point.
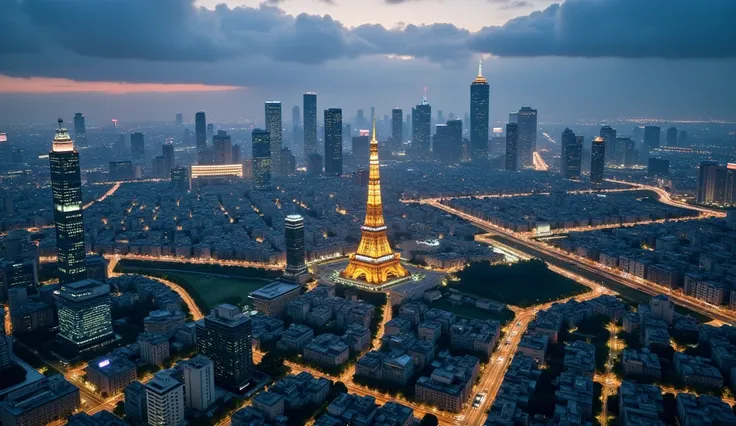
(473, 312)
(214, 290)
(524, 284)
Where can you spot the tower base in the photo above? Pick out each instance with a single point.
(375, 274)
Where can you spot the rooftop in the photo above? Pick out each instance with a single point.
(276, 289)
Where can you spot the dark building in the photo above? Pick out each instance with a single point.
(167, 151)
(361, 149)
(121, 170)
(18, 273)
(179, 119)
(527, 121)
(597, 160)
(333, 142)
(397, 130)
(96, 267)
(609, 137)
(672, 136)
(730, 192)
(275, 129)
(222, 146)
(80, 129)
(314, 164)
(17, 156)
(572, 154)
(479, 107)
(237, 155)
(448, 142)
(512, 145)
(180, 179)
(682, 138)
(84, 310)
(159, 167)
(711, 183)
(626, 154)
(288, 162)
(225, 338)
(66, 188)
(421, 117)
(261, 159)
(137, 145)
(310, 124)
(294, 226)
(200, 130)
(652, 136)
(658, 167)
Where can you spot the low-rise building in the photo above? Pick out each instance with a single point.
(534, 345)
(444, 318)
(358, 338)
(154, 348)
(450, 384)
(655, 333)
(402, 341)
(39, 403)
(703, 410)
(111, 373)
(475, 336)
(301, 390)
(392, 367)
(643, 363)
(326, 349)
(353, 409)
(397, 325)
(295, 337)
(576, 390)
(393, 414)
(163, 321)
(422, 352)
(580, 358)
(102, 418)
(547, 322)
(273, 298)
(697, 371)
(639, 404)
(32, 316)
(429, 330)
(265, 329)
(413, 311)
(269, 403)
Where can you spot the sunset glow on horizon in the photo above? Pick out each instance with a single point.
(44, 85)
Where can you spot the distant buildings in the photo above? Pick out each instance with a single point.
(222, 145)
(310, 124)
(572, 154)
(66, 188)
(512, 147)
(80, 129)
(274, 128)
(597, 160)
(200, 131)
(225, 338)
(448, 142)
(84, 311)
(527, 139)
(137, 145)
(261, 159)
(609, 138)
(479, 115)
(421, 117)
(397, 130)
(295, 254)
(652, 136)
(672, 136)
(333, 142)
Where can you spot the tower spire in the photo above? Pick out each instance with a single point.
(480, 67)
(373, 139)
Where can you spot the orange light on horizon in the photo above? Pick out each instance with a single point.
(41, 85)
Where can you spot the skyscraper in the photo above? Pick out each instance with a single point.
(137, 145)
(672, 136)
(448, 142)
(314, 164)
(361, 149)
(199, 382)
(512, 146)
(80, 129)
(397, 129)
(273, 125)
(167, 151)
(479, 107)
(609, 136)
(200, 130)
(297, 134)
(66, 189)
(652, 137)
(374, 262)
(682, 138)
(597, 160)
(165, 400)
(222, 145)
(85, 318)
(294, 227)
(310, 124)
(288, 162)
(180, 180)
(572, 154)
(261, 159)
(421, 117)
(225, 338)
(730, 192)
(333, 142)
(711, 183)
(179, 119)
(527, 121)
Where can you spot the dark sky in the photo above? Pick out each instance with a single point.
(583, 59)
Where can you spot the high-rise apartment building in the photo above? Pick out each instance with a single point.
(223, 148)
(572, 154)
(295, 255)
(165, 400)
(527, 145)
(512, 146)
(448, 142)
(288, 162)
(199, 382)
(225, 338)
(711, 183)
(274, 127)
(179, 119)
(167, 151)
(682, 138)
(261, 159)
(80, 129)
(310, 124)
(652, 136)
(200, 130)
(479, 111)
(609, 137)
(672, 136)
(421, 117)
(66, 189)
(84, 311)
(397, 130)
(597, 160)
(333, 142)
(137, 145)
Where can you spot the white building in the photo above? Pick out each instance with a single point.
(199, 381)
(165, 401)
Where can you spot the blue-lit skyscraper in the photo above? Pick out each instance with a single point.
(66, 189)
(310, 124)
(261, 159)
(333, 142)
(479, 108)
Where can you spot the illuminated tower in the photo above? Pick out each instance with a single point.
(66, 189)
(479, 106)
(374, 260)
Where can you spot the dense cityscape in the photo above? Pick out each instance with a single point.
(403, 267)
